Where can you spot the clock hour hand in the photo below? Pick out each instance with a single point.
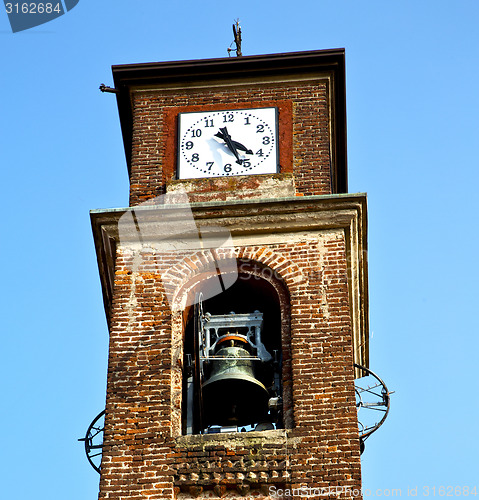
(233, 146)
(242, 148)
(237, 144)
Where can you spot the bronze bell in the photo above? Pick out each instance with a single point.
(232, 394)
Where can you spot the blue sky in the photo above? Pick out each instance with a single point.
(412, 108)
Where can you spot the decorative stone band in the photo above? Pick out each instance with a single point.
(263, 465)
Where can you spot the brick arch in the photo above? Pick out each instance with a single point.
(260, 263)
(193, 268)
(289, 272)
(181, 274)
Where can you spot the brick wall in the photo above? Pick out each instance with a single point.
(144, 454)
(308, 249)
(304, 136)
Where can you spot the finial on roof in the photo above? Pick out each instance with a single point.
(237, 39)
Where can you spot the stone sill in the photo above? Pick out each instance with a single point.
(231, 439)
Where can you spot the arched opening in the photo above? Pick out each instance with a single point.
(234, 381)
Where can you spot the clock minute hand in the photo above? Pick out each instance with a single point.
(223, 134)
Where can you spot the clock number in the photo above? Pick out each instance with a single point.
(259, 129)
(227, 167)
(259, 152)
(189, 144)
(196, 133)
(195, 157)
(230, 117)
(266, 140)
(208, 122)
(246, 164)
(246, 121)
(209, 164)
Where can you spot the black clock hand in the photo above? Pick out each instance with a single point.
(237, 145)
(242, 148)
(223, 134)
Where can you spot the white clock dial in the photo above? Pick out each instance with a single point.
(227, 142)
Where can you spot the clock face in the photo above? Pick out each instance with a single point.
(227, 142)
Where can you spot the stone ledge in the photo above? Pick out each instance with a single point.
(231, 439)
(235, 188)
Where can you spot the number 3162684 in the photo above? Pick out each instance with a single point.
(33, 8)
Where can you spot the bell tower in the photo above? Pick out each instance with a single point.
(235, 283)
